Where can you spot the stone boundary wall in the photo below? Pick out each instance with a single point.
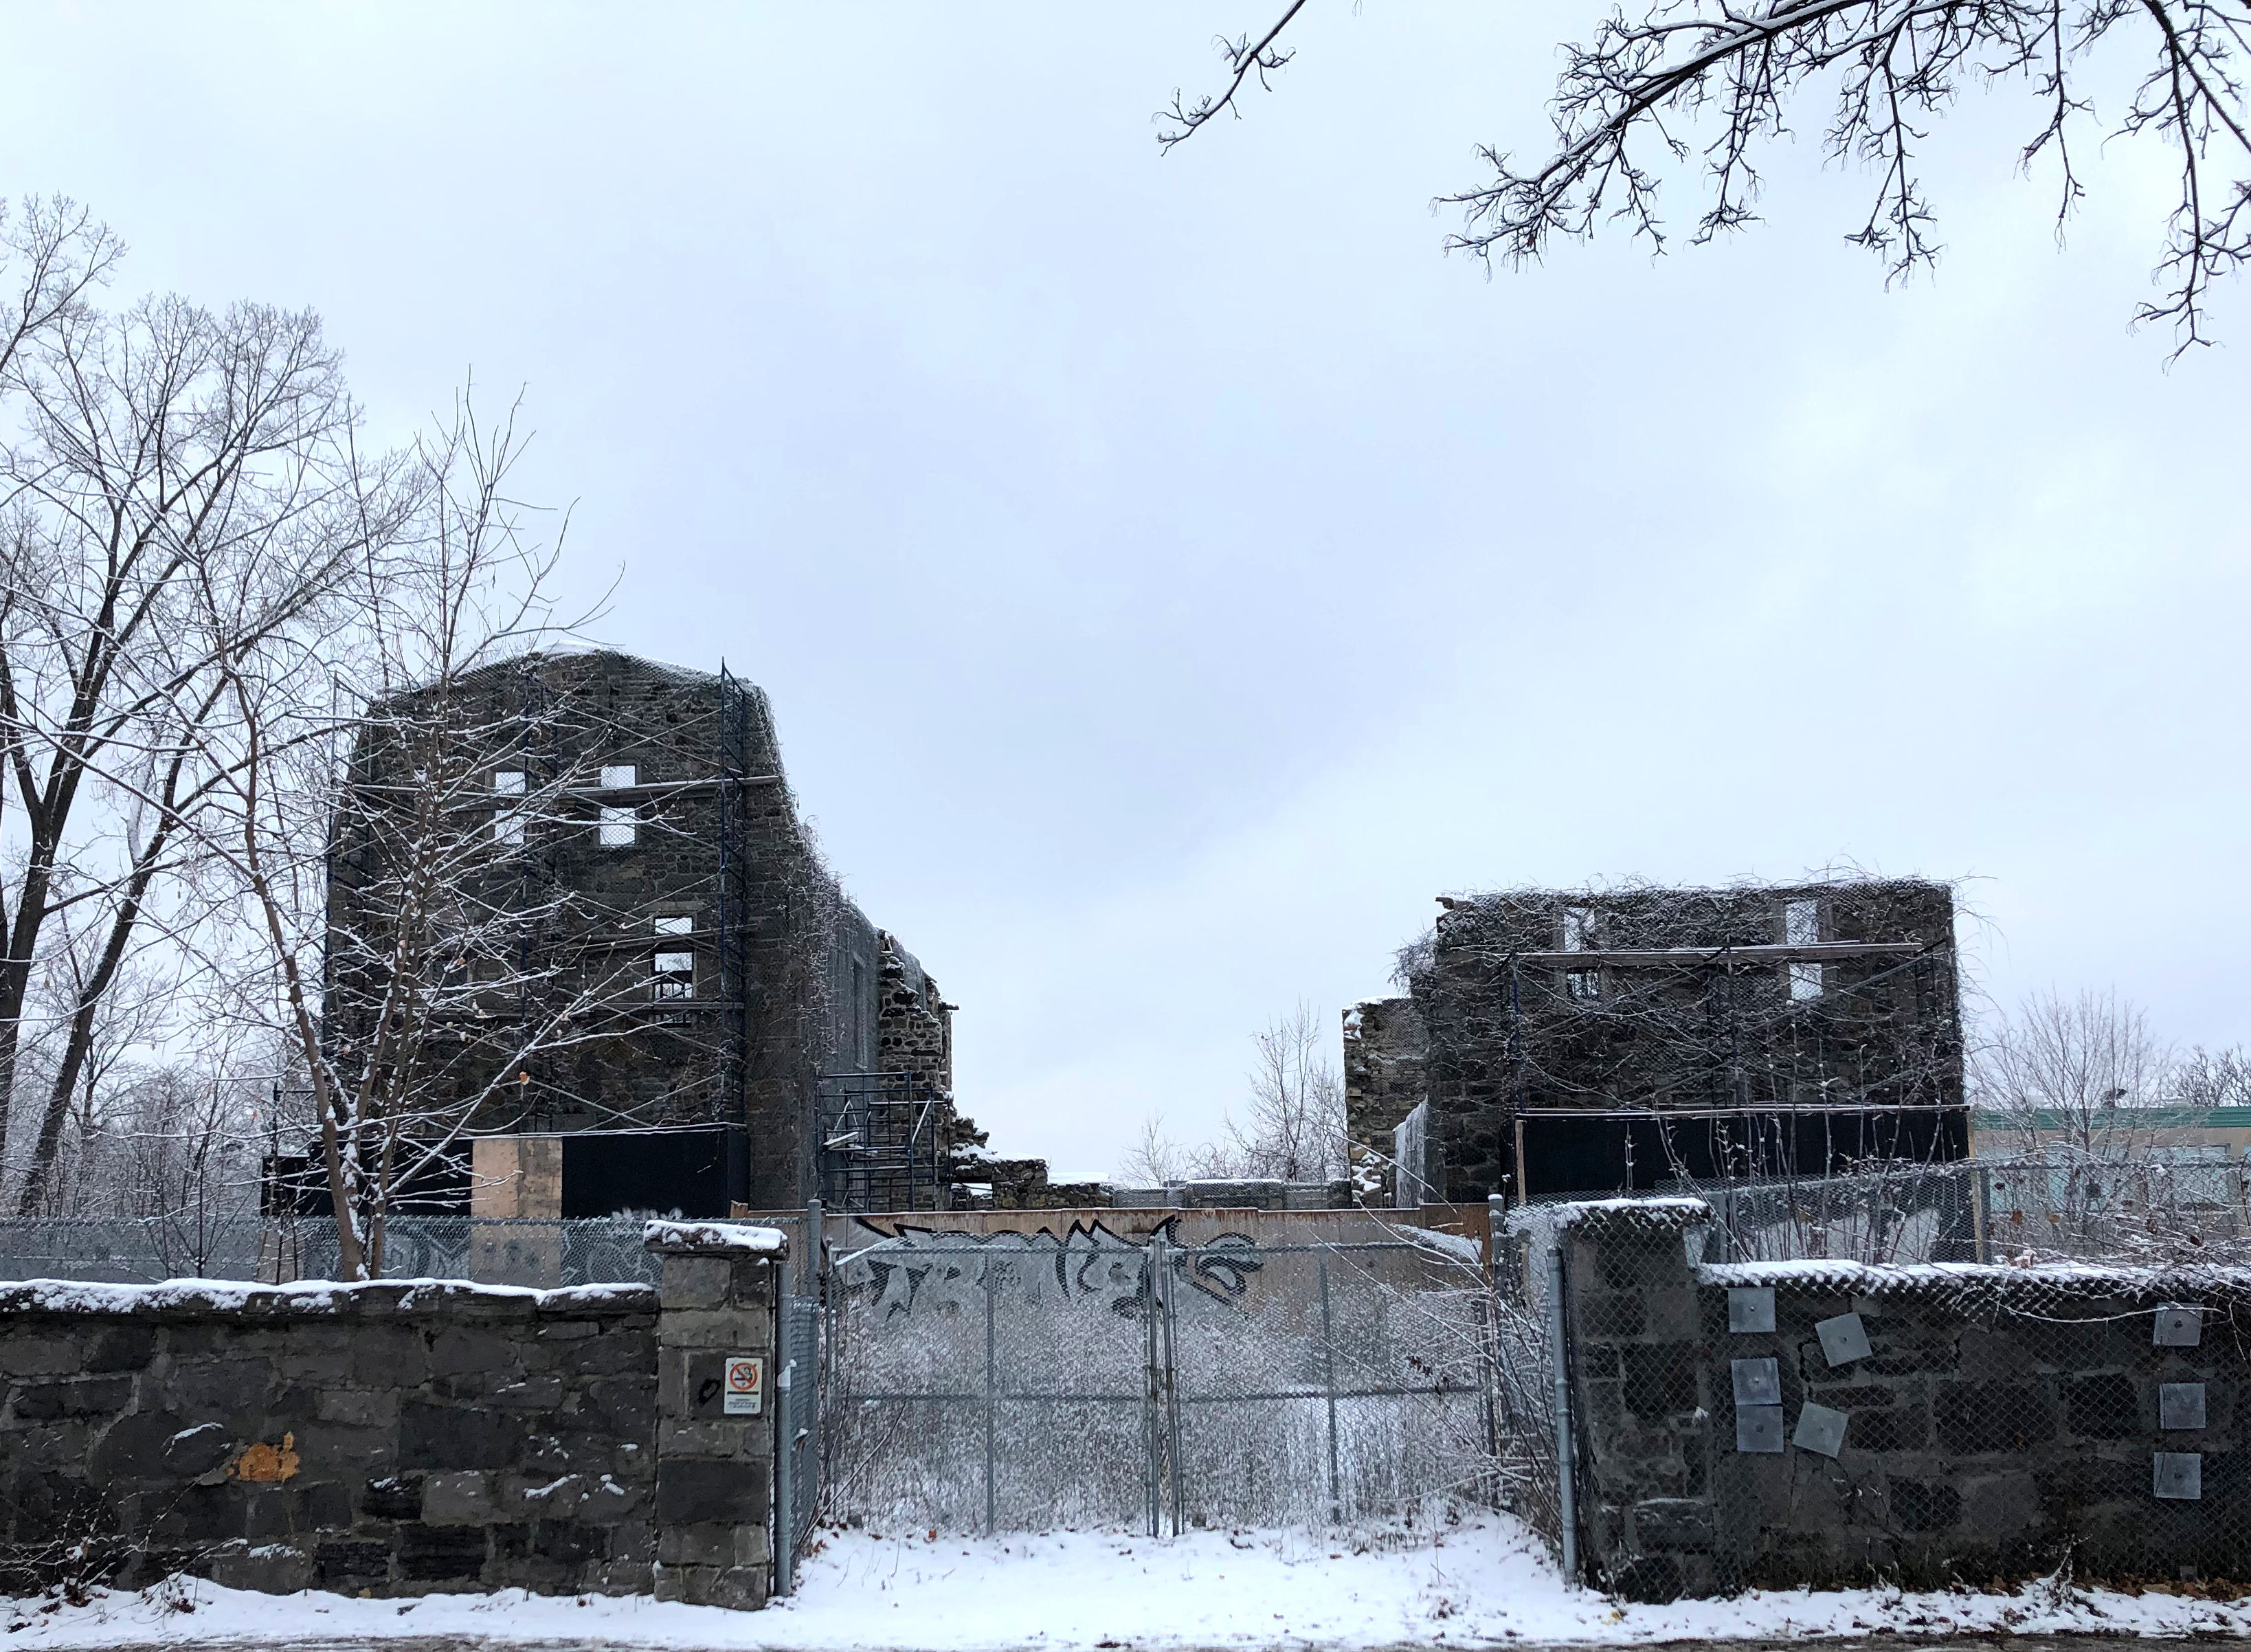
(1988, 1421)
(394, 1438)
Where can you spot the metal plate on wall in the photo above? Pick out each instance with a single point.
(1758, 1428)
(1844, 1339)
(2177, 1327)
(1821, 1429)
(2180, 1405)
(2178, 1475)
(1758, 1382)
(1751, 1308)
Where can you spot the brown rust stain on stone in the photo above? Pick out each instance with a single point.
(264, 1463)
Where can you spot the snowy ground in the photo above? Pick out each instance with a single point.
(1480, 1582)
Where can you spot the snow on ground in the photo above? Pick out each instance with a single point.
(1483, 1582)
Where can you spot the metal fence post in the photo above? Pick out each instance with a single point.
(1981, 1211)
(1153, 1263)
(985, 1261)
(1558, 1361)
(785, 1552)
(1173, 1399)
(1328, 1384)
(1489, 1355)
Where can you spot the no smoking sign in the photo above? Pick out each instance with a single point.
(745, 1386)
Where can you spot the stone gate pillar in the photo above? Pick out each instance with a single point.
(716, 1412)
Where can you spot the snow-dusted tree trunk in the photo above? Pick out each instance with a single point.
(183, 495)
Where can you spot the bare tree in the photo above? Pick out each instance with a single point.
(1154, 1160)
(189, 1160)
(116, 1048)
(390, 797)
(1625, 99)
(2073, 1076)
(2214, 1078)
(178, 491)
(1292, 1126)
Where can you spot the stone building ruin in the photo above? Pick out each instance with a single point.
(764, 1042)
(1622, 1039)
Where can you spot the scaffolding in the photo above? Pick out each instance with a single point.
(879, 1146)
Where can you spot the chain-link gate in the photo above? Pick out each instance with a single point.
(797, 1467)
(1022, 1382)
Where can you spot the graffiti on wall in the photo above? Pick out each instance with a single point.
(900, 1269)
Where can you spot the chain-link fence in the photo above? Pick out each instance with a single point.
(1024, 1381)
(1946, 1427)
(580, 1251)
(1825, 1422)
(2049, 1207)
(133, 1252)
(2144, 1211)
(1902, 1211)
(799, 1334)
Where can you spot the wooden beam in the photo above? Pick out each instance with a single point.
(1689, 957)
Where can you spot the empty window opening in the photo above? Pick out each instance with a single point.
(673, 966)
(1579, 935)
(618, 827)
(508, 824)
(1578, 928)
(1801, 927)
(675, 976)
(618, 775)
(673, 982)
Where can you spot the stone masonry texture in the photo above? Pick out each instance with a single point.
(385, 1439)
(1494, 1039)
(714, 1472)
(819, 990)
(1386, 1052)
(1997, 1427)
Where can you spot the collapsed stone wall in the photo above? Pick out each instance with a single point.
(914, 1023)
(394, 1438)
(1793, 1423)
(1387, 1052)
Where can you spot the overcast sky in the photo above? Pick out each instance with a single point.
(1170, 573)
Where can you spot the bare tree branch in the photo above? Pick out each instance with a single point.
(1891, 67)
(1244, 60)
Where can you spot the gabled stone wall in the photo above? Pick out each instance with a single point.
(815, 995)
